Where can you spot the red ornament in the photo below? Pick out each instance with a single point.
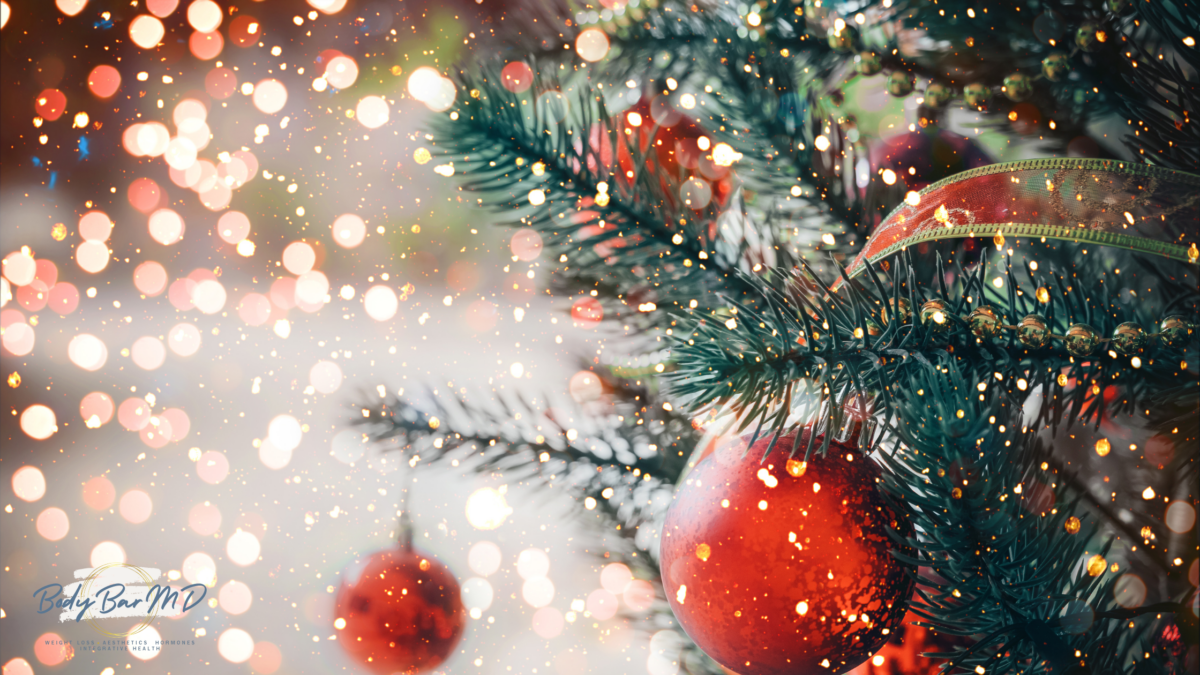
(783, 567)
(402, 610)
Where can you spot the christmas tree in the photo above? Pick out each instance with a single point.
(991, 366)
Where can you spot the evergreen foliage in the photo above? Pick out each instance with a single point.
(964, 420)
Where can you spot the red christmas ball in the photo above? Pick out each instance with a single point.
(402, 610)
(781, 566)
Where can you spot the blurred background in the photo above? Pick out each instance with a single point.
(223, 235)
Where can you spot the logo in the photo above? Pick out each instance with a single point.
(117, 591)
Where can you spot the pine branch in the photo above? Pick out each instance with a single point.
(838, 347)
(602, 204)
(621, 466)
(1009, 558)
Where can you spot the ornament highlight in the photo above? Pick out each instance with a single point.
(977, 95)
(868, 63)
(936, 316)
(1081, 339)
(904, 311)
(1129, 338)
(1175, 331)
(782, 567)
(899, 83)
(1018, 87)
(1056, 66)
(985, 322)
(1089, 36)
(937, 95)
(1033, 331)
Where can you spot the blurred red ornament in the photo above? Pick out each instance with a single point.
(903, 653)
(781, 566)
(926, 156)
(402, 610)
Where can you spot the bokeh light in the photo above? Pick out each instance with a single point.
(29, 484)
(104, 81)
(148, 352)
(48, 649)
(99, 493)
(135, 506)
(39, 422)
(592, 45)
(243, 548)
(150, 278)
(151, 648)
(477, 594)
(1181, 517)
(212, 467)
(349, 230)
(341, 72)
(381, 303)
(270, 96)
(602, 604)
(235, 597)
(348, 446)
(584, 386)
(87, 351)
(372, 112)
(199, 568)
(133, 413)
(325, 377)
(184, 339)
(272, 456)
(53, 524)
(526, 244)
(96, 409)
(615, 578)
(533, 563)
(107, 552)
(235, 645)
(284, 431)
(487, 509)
(548, 622)
(204, 15)
(204, 519)
(233, 226)
(517, 76)
(266, 658)
(537, 592)
(423, 83)
(484, 558)
(299, 257)
(146, 31)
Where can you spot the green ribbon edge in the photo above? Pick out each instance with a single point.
(1074, 234)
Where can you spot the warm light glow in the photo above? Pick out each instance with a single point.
(146, 31)
(204, 15)
(29, 484)
(372, 112)
(39, 422)
(822, 143)
(270, 96)
(341, 72)
(487, 509)
(381, 303)
(592, 45)
(484, 558)
(235, 645)
(243, 548)
(423, 83)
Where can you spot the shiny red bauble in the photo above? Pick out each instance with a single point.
(402, 609)
(782, 567)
